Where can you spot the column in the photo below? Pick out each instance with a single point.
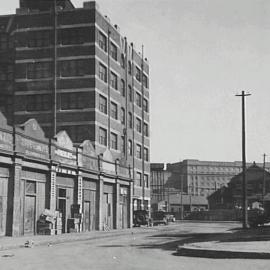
(14, 217)
(117, 205)
(80, 191)
(130, 205)
(53, 188)
(100, 203)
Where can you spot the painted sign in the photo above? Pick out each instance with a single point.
(6, 141)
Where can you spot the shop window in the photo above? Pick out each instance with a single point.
(30, 187)
(62, 193)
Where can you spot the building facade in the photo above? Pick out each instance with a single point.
(40, 176)
(72, 70)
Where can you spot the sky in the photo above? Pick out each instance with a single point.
(201, 53)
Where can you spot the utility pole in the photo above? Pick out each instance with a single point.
(244, 181)
(263, 184)
(182, 208)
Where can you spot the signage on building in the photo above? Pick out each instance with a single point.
(32, 148)
(6, 141)
(65, 157)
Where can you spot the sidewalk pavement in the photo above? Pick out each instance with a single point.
(7, 243)
(249, 243)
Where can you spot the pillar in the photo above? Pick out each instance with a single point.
(53, 188)
(80, 191)
(130, 225)
(117, 224)
(100, 203)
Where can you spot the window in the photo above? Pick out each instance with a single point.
(39, 39)
(146, 181)
(102, 41)
(3, 41)
(72, 68)
(103, 104)
(146, 154)
(130, 147)
(138, 125)
(122, 61)
(123, 88)
(6, 72)
(30, 187)
(113, 141)
(72, 36)
(145, 81)
(130, 93)
(102, 72)
(38, 103)
(129, 68)
(138, 74)
(123, 148)
(69, 101)
(145, 105)
(123, 116)
(102, 136)
(113, 51)
(130, 120)
(113, 81)
(138, 100)
(138, 180)
(146, 131)
(114, 113)
(78, 133)
(138, 151)
(39, 70)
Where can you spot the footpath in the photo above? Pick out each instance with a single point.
(239, 243)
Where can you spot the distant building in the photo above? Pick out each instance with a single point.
(193, 177)
(71, 69)
(231, 196)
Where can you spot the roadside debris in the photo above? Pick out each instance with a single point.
(29, 244)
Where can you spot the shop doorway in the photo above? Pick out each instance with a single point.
(87, 215)
(62, 206)
(29, 215)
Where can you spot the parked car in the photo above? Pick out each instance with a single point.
(257, 217)
(170, 217)
(160, 217)
(141, 217)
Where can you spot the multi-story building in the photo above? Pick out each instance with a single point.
(193, 177)
(71, 69)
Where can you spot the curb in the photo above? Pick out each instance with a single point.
(219, 253)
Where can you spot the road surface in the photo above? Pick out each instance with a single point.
(142, 248)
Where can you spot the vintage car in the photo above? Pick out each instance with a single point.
(141, 217)
(257, 217)
(160, 217)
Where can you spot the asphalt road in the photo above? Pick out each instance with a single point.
(140, 249)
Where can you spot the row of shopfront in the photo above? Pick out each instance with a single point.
(85, 192)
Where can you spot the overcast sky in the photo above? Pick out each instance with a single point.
(201, 54)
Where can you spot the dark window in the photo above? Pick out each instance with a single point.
(39, 39)
(138, 180)
(146, 154)
(70, 101)
(123, 116)
(72, 68)
(146, 181)
(129, 68)
(113, 51)
(38, 103)
(113, 81)
(123, 88)
(130, 120)
(146, 131)
(102, 41)
(130, 93)
(138, 151)
(72, 36)
(138, 125)
(102, 136)
(130, 147)
(145, 105)
(138, 100)
(3, 41)
(114, 113)
(102, 72)
(103, 104)
(138, 74)
(123, 148)
(113, 141)
(39, 70)
(145, 81)
(122, 61)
